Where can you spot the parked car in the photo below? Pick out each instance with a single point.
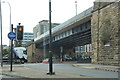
(46, 60)
(5, 58)
(86, 56)
(67, 58)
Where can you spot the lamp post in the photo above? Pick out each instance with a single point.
(76, 7)
(10, 41)
(44, 46)
(10, 14)
(1, 54)
(50, 44)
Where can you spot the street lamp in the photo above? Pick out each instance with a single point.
(44, 46)
(10, 19)
(10, 13)
(10, 41)
(76, 7)
(50, 44)
(1, 54)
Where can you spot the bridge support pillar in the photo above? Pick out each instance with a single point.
(105, 33)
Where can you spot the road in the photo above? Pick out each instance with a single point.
(68, 68)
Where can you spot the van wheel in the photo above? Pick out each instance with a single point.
(22, 61)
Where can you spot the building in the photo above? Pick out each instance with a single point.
(42, 27)
(33, 52)
(27, 36)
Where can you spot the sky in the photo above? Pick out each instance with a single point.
(30, 12)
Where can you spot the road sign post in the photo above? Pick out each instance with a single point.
(11, 36)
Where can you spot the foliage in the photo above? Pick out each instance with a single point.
(5, 51)
(19, 45)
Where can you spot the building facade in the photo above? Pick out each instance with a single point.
(42, 27)
(27, 36)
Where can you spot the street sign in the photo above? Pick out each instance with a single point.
(11, 35)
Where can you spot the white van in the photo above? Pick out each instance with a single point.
(20, 54)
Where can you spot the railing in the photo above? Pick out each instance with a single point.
(66, 23)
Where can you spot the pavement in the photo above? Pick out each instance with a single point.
(21, 71)
(99, 67)
(26, 72)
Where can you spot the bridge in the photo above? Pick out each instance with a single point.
(74, 32)
(96, 27)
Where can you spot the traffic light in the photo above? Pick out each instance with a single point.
(19, 32)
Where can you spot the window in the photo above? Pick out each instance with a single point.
(68, 32)
(61, 36)
(30, 33)
(41, 29)
(65, 33)
(86, 25)
(81, 28)
(53, 39)
(25, 52)
(33, 54)
(71, 32)
(25, 33)
(56, 38)
(25, 36)
(25, 39)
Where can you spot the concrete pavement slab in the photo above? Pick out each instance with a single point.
(25, 72)
(98, 67)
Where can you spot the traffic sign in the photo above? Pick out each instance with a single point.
(11, 35)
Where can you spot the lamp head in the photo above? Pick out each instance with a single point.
(3, 2)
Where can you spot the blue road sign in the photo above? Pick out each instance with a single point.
(11, 35)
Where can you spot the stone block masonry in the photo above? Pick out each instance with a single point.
(106, 33)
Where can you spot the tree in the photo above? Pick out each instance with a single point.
(5, 52)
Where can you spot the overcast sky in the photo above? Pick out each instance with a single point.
(30, 12)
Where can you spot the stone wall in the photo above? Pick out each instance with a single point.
(39, 55)
(31, 52)
(34, 55)
(105, 33)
